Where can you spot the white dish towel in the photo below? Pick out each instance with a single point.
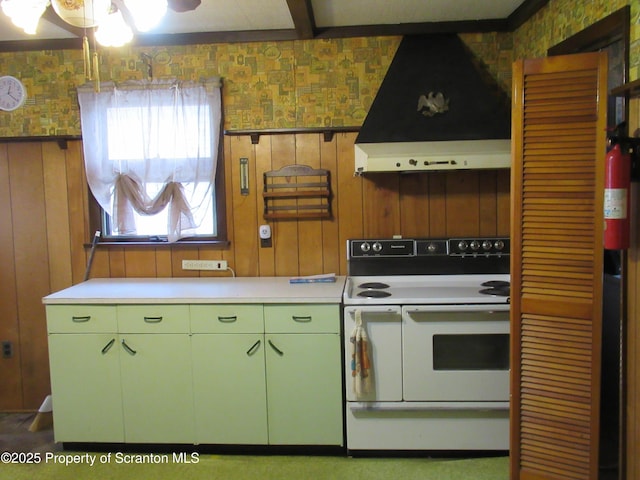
(360, 362)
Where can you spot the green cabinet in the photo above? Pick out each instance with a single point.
(157, 394)
(246, 374)
(85, 373)
(85, 387)
(155, 365)
(229, 388)
(120, 386)
(304, 389)
(304, 380)
(255, 385)
(228, 374)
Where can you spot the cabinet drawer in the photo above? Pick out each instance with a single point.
(81, 319)
(302, 318)
(153, 318)
(227, 319)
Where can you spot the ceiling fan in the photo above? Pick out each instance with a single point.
(116, 18)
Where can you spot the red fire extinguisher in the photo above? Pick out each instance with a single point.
(617, 180)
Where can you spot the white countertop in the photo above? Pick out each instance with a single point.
(198, 290)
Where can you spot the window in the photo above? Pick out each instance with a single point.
(151, 155)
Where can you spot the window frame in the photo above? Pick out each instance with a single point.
(96, 215)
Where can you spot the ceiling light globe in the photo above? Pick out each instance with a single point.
(113, 31)
(146, 13)
(82, 13)
(24, 14)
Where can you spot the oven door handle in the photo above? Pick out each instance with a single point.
(490, 309)
(394, 309)
(427, 406)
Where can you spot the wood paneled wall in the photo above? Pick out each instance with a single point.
(44, 227)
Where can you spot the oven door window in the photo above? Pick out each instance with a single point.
(470, 352)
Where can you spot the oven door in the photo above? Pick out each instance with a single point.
(383, 326)
(455, 353)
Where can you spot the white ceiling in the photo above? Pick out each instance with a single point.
(332, 13)
(273, 15)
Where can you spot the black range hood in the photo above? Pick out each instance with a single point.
(436, 109)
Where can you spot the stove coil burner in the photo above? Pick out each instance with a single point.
(495, 283)
(373, 285)
(498, 288)
(373, 290)
(374, 294)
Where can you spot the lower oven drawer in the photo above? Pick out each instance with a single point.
(439, 427)
(454, 353)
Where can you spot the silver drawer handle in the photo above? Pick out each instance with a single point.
(304, 319)
(81, 319)
(228, 319)
(153, 319)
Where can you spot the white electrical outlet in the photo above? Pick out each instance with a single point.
(204, 264)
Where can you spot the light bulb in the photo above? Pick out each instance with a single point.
(25, 14)
(146, 13)
(113, 31)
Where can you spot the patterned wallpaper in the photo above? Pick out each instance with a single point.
(50, 79)
(561, 19)
(290, 84)
(265, 85)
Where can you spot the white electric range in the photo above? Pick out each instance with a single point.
(427, 344)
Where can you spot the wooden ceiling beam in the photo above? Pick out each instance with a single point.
(302, 15)
(524, 12)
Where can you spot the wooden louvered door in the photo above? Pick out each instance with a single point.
(559, 136)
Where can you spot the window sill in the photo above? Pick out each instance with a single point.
(215, 244)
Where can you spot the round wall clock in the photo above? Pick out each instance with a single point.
(12, 93)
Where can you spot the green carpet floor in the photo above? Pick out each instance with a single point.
(236, 467)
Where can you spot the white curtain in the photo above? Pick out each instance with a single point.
(150, 145)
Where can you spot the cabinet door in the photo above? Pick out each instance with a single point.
(229, 388)
(85, 387)
(157, 389)
(304, 389)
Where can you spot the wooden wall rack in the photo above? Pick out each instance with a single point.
(297, 192)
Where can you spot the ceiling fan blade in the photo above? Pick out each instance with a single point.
(183, 5)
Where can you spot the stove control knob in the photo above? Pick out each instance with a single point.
(475, 245)
(486, 245)
(365, 247)
(377, 247)
(432, 248)
(499, 245)
(462, 245)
